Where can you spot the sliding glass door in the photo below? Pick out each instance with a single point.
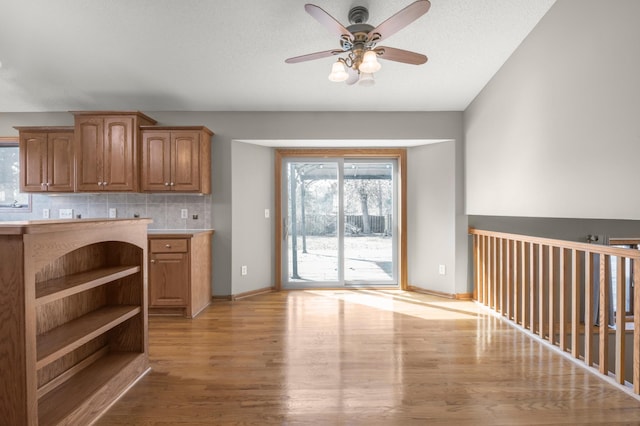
(339, 222)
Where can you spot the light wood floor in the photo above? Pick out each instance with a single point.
(359, 357)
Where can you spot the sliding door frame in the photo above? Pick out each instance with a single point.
(400, 154)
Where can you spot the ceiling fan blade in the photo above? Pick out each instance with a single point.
(399, 55)
(400, 20)
(327, 20)
(354, 76)
(312, 56)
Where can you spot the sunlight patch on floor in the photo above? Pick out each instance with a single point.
(398, 301)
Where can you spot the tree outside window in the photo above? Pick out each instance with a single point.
(11, 199)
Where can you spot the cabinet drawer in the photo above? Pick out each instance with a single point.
(168, 245)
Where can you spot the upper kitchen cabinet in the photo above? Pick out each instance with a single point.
(106, 149)
(46, 159)
(176, 159)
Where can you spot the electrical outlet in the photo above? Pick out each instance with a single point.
(113, 212)
(66, 213)
(442, 270)
(267, 213)
(184, 213)
(243, 270)
(45, 213)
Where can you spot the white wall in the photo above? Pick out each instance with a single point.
(556, 133)
(230, 241)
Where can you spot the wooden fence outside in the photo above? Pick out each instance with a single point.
(323, 224)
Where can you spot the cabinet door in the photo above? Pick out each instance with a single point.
(156, 156)
(119, 155)
(185, 161)
(33, 162)
(168, 279)
(60, 162)
(89, 141)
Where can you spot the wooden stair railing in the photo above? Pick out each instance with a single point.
(549, 287)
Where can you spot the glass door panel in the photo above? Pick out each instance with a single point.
(369, 244)
(312, 224)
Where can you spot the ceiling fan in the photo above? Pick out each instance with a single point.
(359, 42)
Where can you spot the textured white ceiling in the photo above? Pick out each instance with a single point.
(228, 55)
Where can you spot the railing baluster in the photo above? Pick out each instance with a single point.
(509, 277)
(476, 265)
(495, 274)
(562, 302)
(489, 293)
(503, 269)
(524, 293)
(483, 268)
(533, 279)
(636, 328)
(516, 281)
(605, 279)
(575, 301)
(620, 317)
(552, 295)
(490, 270)
(588, 308)
(543, 275)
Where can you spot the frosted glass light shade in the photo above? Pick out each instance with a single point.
(370, 63)
(366, 79)
(338, 73)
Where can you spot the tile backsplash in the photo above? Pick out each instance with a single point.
(164, 209)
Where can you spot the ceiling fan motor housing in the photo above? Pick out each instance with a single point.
(358, 15)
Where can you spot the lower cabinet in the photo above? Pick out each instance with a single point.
(179, 273)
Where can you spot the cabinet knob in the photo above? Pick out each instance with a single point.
(171, 184)
(166, 184)
(168, 245)
(153, 261)
(104, 183)
(99, 183)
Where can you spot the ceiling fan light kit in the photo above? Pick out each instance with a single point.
(358, 43)
(338, 72)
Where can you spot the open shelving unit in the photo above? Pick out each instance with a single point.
(74, 328)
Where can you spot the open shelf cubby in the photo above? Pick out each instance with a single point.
(82, 338)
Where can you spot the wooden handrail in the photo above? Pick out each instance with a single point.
(548, 287)
(594, 248)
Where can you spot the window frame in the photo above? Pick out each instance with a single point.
(13, 141)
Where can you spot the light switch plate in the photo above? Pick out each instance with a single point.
(113, 212)
(66, 213)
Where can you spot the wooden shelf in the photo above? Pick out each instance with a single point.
(75, 394)
(74, 334)
(60, 288)
(64, 339)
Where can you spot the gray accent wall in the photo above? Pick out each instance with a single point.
(556, 132)
(243, 182)
(253, 191)
(431, 194)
